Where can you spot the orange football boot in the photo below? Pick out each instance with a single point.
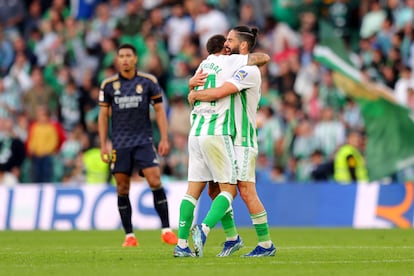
(169, 237)
(130, 242)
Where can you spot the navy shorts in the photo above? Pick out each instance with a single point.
(139, 157)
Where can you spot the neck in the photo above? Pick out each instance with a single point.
(128, 74)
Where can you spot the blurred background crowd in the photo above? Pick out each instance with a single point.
(54, 55)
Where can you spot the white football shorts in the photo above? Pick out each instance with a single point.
(211, 158)
(246, 163)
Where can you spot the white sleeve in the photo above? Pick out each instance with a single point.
(245, 77)
(238, 61)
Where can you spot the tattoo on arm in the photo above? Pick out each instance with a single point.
(258, 59)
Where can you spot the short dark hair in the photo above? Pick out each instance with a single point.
(127, 46)
(215, 44)
(245, 33)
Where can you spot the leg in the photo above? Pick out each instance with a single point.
(259, 219)
(227, 221)
(220, 204)
(233, 241)
(124, 207)
(153, 177)
(187, 207)
(218, 209)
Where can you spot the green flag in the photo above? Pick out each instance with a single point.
(389, 126)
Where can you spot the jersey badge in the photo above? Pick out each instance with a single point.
(116, 86)
(139, 89)
(240, 75)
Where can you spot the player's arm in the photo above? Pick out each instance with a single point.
(198, 79)
(212, 94)
(161, 118)
(258, 59)
(104, 111)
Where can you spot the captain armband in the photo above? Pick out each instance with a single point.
(157, 100)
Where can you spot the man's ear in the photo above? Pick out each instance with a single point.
(244, 45)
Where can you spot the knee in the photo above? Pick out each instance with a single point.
(154, 182)
(122, 188)
(213, 191)
(246, 194)
(233, 192)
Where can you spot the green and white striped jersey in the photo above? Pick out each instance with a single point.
(248, 80)
(216, 117)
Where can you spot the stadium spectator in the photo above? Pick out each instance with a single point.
(270, 130)
(405, 81)
(9, 101)
(43, 142)
(203, 27)
(372, 20)
(349, 163)
(83, 9)
(11, 16)
(32, 19)
(321, 168)
(70, 109)
(96, 171)
(179, 113)
(132, 20)
(40, 94)
(117, 8)
(305, 142)
(100, 27)
(6, 53)
(329, 132)
(177, 27)
(329, 94)
(12, 150)
(76, 141)
(351, 116)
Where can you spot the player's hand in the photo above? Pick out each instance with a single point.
(105, 155)
(198, 79)
(163, 148)
(191, 97)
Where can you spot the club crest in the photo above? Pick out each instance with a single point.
(116, 86)
(139, 89)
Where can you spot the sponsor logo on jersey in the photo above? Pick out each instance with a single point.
(240, 75)
(128, 101)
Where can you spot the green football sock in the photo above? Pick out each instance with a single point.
(187, 207)
(228, 224)
(218, 208)
(261, 226)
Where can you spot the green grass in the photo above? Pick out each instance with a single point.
(300, 252)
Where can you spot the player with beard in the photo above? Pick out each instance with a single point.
(244, 85)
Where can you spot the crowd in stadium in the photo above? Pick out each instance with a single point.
(54, 55)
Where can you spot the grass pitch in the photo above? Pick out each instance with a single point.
(300, 252)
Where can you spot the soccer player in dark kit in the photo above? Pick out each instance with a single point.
(126, 98)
